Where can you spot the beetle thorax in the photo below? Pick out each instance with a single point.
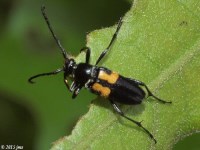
(83, 73)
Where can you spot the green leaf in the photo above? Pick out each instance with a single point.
(159, 44)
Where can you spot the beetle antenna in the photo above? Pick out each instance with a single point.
(65, 55)
(44, 74)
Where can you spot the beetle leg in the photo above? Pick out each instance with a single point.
(76, 91)
(149, 92)
(73, 86)
(87, 49)
(121, 113)
(111, 42)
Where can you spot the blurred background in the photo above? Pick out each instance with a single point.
(35, 116)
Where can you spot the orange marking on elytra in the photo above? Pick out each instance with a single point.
(110, 78)
(104, 91)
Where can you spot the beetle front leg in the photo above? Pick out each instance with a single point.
(73, 86)
(88, 51)
(76, 91)
(111, 42)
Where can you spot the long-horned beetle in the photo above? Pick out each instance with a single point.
(100, 80)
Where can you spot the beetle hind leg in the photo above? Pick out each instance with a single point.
(121, 113)
(149, 92)
(162, 101)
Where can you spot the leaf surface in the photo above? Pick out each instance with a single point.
(159, 44)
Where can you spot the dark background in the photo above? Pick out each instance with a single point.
(34, 116)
